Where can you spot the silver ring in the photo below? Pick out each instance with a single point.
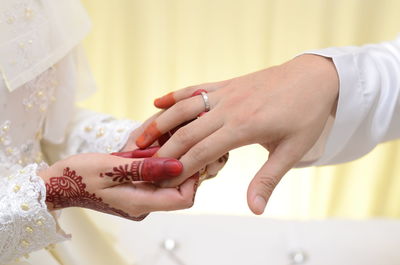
(206, 102)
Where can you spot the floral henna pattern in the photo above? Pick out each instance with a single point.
(149, 169)
(69, 191)
(125, 173)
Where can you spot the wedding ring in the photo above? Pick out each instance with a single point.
(206, 102)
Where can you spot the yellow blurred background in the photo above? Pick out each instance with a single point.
(141, 49)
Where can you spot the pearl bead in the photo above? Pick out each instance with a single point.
(25, 207)
(88, 128)
(17, 188)
(25, 243)
(10, 20)
(29, 229)
(28, 13)
(38, 135)
(100, 133)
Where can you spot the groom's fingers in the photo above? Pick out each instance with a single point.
(179, 113)
(141, 198)
(189, 135)
(170, 99)
(203, 153)
(148, 169)
(280, 161)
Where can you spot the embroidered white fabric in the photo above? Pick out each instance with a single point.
(41, 74)
(25, 223)
(99, 133)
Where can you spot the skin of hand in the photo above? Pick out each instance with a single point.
(131, 150)
(283, 108)
(116, 185)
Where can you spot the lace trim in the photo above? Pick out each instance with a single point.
(25, 223)
(101, 134)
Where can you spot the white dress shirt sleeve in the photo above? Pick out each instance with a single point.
(368, 111)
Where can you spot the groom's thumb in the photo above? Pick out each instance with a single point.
(268, 177)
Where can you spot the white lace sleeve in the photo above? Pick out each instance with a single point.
(92, 132)
(25, 223)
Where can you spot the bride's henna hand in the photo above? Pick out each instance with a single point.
(69, 190)
(149, 169)
(116, 185)
(138, 153)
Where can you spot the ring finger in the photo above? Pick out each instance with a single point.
(179, 113)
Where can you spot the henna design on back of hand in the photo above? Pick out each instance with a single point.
(148, 169)
(125, 173)
(70, 191)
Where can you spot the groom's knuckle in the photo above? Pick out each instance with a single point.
(183, 136)
(180, 107)
(268, 183)
(198, 154)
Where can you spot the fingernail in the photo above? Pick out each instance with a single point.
(173, 167)
(259, 203)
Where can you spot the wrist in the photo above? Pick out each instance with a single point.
(323, 72)
(46, 175)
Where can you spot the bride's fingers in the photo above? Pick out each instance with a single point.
(171, 98)
(138, 153)
(147, 169)
(179, 113)
(141, 198)
(186, 137)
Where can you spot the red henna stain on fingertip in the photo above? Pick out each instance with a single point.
(158, 169)
(165, 101)
(150, 134)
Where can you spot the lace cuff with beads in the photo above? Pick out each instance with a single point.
(25, 223)
(99, 133)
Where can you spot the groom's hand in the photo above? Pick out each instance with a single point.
(131, 150)
(283, 108)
